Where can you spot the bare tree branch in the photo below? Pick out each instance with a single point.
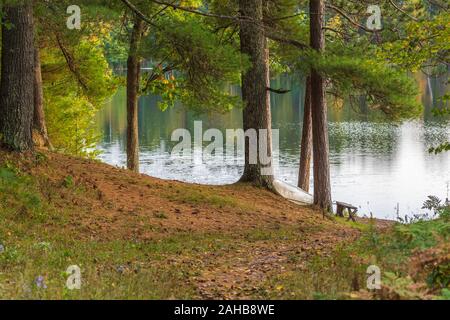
(138, 13)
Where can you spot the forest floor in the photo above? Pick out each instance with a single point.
(137, 237)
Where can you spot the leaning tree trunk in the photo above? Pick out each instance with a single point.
(17, 78)
(133, 76)
(255, 93)
(40, 135)
(322, 185)
(306, 144)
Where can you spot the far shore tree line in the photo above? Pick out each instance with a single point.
(54, 79)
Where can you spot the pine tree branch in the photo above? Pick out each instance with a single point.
(269, 35)
(70, 62)
(190, 10)
(139, 14)
(281, 39)
(402, 11)
(349, 18)
(278, 91)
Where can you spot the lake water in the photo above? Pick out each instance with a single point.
(379, 166)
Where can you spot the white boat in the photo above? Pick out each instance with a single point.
(293, 193)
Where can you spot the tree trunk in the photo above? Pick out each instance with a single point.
(40, 135)
(255, 93)
(322, 185)
(306, 144)
(133, 77)
(17, 78)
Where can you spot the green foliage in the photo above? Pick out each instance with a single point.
(71, 102)
(76, 75)
(386, 88)
(195, 57)
(425, 42)
(413, 256)
(402, 287)
(440, 276)
(71, 124)
(116, 51)
(68, 182)
(444, 147)
(423, 234)
(353, 62)
(19, 198)
(445, 295)
(443, 112)
(203, 64)
(423, 231)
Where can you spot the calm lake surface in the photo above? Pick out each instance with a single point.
(379, 166)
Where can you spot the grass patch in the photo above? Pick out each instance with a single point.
(110, 270)
(160, 215)
(275, 233)
(336, 277)
(364, 227)
(21, 201)
(115, 270)
(320, 278)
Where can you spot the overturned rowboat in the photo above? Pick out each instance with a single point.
(293, 193)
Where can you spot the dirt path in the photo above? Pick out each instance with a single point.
(242, 270)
